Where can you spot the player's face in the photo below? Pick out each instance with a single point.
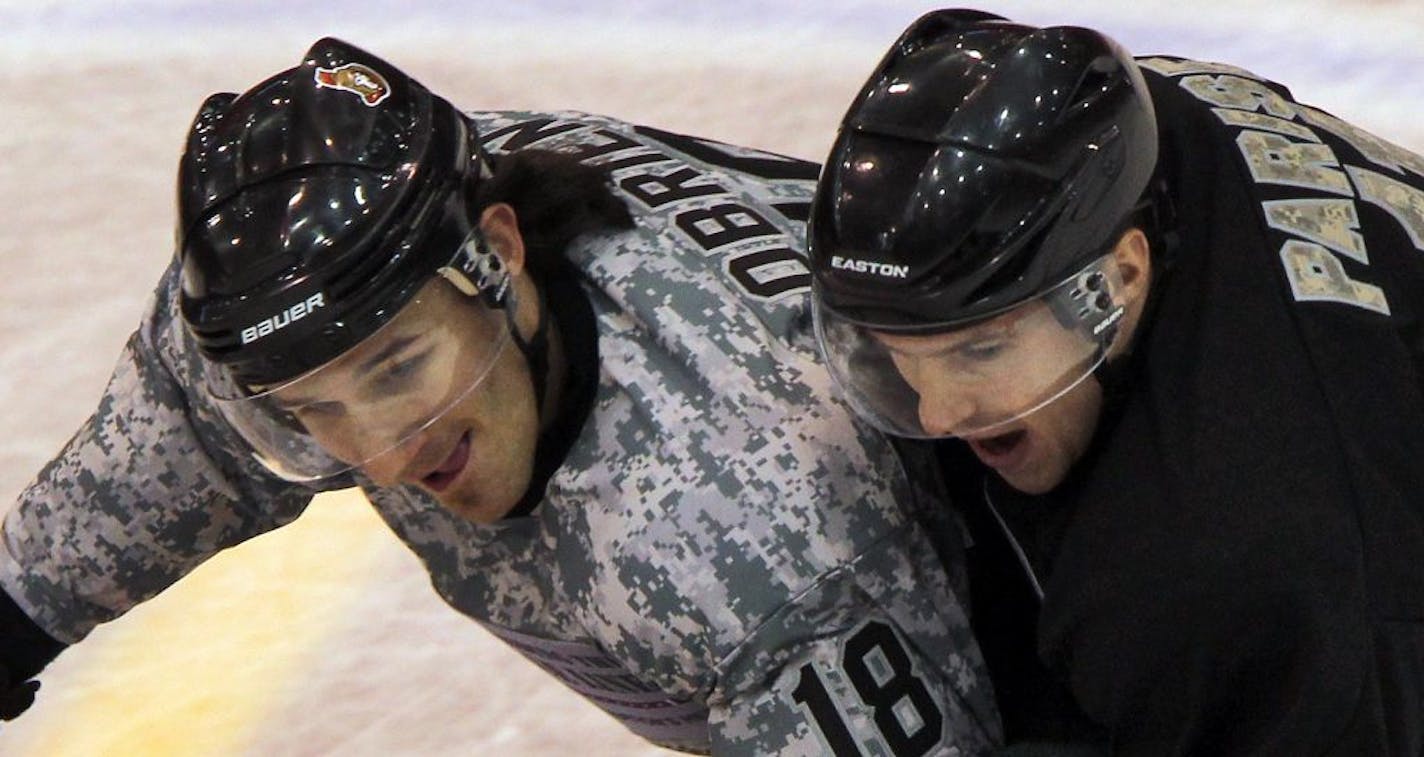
(971, 373)
(476, 456)
(982, 376)
(960, 377)
(1035, 453)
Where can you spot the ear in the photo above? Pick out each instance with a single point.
(500, 226)
(1134, 261)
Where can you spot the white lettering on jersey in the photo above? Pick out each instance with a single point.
(1315, 274)
(1239, 94)
(1281, 147)
(1332, 223)
(1182, 67)
(1381, 152)
(1275, 159)
(1263, 122)
(1402, 201)
(763, 258)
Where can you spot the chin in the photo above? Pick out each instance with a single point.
(472, 509)
(1031, 486)
(1035, 482)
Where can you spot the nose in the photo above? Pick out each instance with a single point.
(946, 410)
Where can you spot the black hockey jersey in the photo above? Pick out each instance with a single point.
(1237, 565)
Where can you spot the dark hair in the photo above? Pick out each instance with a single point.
(1155, 215)
(556, 198)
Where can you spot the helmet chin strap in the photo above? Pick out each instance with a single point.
(536, 348)
(479, 272)
(1112, 374)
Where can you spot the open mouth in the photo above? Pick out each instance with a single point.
(1001, 450)
(440, 478)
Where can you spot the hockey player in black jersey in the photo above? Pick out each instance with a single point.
(1163, 324)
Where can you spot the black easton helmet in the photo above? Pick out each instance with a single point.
(984, 165)
(312, 207)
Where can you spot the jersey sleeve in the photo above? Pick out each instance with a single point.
(876, 658)
(151, 485)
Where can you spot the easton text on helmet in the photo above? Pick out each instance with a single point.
(267, 326)
(868, 266)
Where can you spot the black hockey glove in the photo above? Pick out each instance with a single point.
(15, 699)
(24, 651)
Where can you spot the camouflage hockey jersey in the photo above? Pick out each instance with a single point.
(723, 562)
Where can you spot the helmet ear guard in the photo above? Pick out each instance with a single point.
(1091, 303)
(478, 271)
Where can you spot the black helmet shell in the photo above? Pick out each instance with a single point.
(312, 207)
(983, 163)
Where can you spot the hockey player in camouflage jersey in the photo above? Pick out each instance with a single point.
(594, 413)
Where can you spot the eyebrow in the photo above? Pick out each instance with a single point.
(954, 341)
(389, 351)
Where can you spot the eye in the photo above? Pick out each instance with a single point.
(981, 351)
(403, 368)
(400, 373)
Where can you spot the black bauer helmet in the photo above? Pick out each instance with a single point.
(331, 257)
(984, 165)
(314, 206)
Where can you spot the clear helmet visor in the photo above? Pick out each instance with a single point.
(382, 393)
(971, 380)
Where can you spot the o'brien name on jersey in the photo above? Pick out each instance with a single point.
(283, 319)
(866, 266)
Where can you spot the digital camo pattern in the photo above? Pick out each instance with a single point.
(724, 562)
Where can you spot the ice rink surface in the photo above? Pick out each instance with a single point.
(324, 637)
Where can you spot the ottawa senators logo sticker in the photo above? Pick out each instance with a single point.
(355, 78)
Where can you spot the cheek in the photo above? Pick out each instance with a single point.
(906, 368)
(1075, 419)
(329, 434)
(1067, 426)
(503, 403)
(354, 439)
(925, 376)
